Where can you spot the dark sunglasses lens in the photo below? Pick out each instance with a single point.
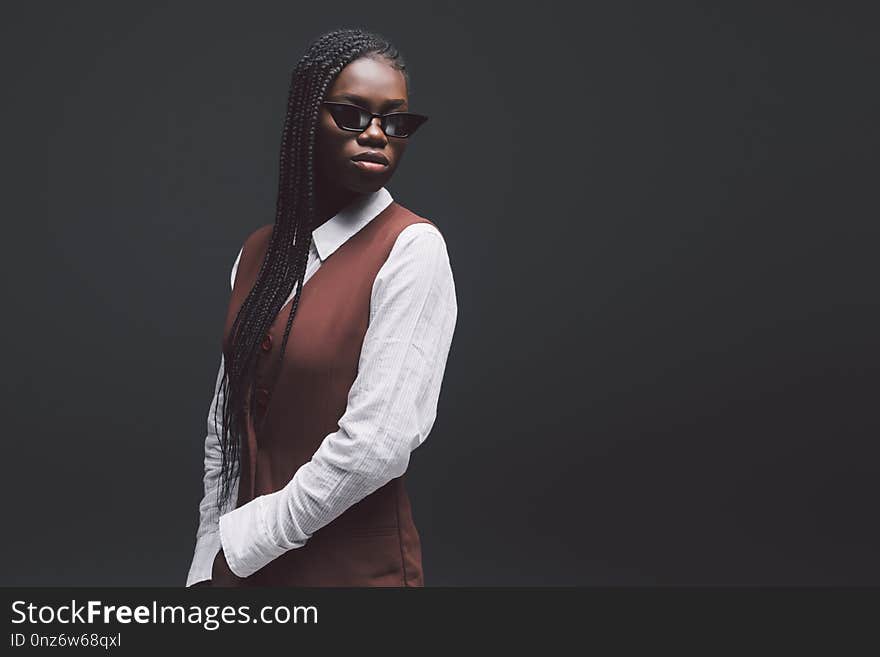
(348, 117)
(402, 125)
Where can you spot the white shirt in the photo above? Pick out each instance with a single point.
(391, 405)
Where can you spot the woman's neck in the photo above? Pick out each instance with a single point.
(329, 203)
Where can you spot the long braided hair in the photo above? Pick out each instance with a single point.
(284, 264)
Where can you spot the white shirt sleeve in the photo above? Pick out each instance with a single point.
(391, 407)
(207, 534)
(235, 269)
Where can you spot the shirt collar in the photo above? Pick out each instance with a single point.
(334, 232)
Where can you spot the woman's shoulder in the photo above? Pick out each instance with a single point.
(256, 242)
(253, 247)
(412, 226)
(258, 237)
(419, 246)
(422, 235)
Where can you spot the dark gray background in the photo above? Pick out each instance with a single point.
(662, 221)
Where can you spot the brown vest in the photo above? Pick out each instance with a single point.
(375, 541)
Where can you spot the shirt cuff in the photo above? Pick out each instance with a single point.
(247, 545)
(207, 547)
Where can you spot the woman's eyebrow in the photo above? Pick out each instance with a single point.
(354, 98)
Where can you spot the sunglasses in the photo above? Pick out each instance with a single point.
(357, 119)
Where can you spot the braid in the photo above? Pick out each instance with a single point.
(284, 265)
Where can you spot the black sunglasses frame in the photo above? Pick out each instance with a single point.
(421, 118)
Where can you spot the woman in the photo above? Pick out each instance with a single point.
(305, 463)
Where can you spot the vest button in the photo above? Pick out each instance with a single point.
(262, 395)
(267, 343)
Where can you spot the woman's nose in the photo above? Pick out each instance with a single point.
(374, 130)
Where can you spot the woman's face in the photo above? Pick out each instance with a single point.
(374, 85)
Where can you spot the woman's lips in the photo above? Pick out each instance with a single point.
(372, 167)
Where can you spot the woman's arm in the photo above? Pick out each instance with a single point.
(207, 534)
(391, 407)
